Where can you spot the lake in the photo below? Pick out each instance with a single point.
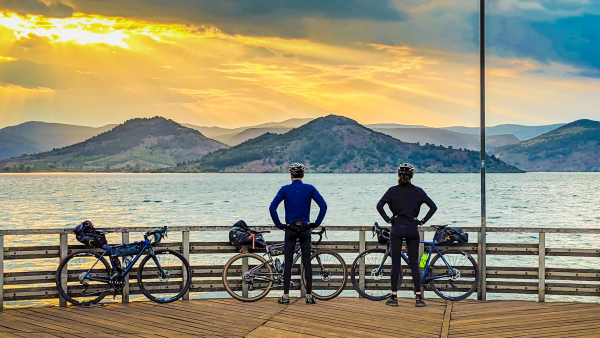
(110, 200)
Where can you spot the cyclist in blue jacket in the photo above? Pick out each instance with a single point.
(297, 198)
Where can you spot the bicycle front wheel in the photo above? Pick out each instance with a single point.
(83, 278)
(329, 274)
(247, 277)
(164, 277)
(453, 286)
(376, 269)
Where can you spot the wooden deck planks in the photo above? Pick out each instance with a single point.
(341, 317)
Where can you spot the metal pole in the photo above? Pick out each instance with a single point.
(481, 293)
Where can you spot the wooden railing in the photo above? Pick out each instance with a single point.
(22, 286)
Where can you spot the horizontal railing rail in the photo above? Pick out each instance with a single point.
(540, 280)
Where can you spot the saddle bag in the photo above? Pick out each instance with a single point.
(241, 234)
(450, 236)
(86, 234)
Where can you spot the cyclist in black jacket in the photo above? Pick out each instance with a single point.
(405, 200)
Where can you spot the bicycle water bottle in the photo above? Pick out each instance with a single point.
(424, 260)
(126, 261)
(278, 265)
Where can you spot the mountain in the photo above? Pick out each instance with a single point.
(338, 144)
(572, 147)
(446, 137)
(35, 137)
(132, 146)
(225, 133)
(520, 131)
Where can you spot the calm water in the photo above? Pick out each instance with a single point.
(110, 200)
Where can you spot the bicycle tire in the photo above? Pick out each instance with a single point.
(59, 276)
(469, 259)
(143, 286)
(230, 290)
(344, 270)
(355, 280)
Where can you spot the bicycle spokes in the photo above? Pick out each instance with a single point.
(453, 275)
(248, 277)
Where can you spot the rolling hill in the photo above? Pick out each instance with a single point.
(446, 137)
(338, 144)
(520, 131)
(572, 147)
(132, 146)
(35, 137)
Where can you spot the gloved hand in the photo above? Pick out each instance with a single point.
(313, 225)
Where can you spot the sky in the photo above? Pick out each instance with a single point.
(233, 63)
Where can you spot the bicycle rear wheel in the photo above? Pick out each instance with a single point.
(79, 287)
(377, 282)
(247, 277)
(168, 285)
(329, 274)
(456, 286)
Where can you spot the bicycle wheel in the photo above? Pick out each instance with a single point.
(168, 285)
(377, 282)
(458, 286)
(83, 288)
(247, 277)
(329, 274)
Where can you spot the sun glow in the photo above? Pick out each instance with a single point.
(86, 29)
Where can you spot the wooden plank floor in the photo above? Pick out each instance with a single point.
(342, 317)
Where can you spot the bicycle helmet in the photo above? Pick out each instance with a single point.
(406, 169)
(297, 169)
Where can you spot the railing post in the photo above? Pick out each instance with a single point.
(481, 253)
(244, 269)
(542, 268)
(362, 246)
(185, 246)
(1, 272)
(64, 252)
(125, 297)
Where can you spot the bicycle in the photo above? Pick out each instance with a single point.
(249, 277)
(451, 274)
(163, 275)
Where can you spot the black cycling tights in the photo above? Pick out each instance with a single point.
(411, 234)
(288, 250)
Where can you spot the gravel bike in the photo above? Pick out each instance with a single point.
(249, 277)
(451, 274)
(163, 275)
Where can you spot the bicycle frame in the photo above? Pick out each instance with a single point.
(424, 277)
(146, 246)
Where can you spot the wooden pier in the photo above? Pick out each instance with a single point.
(341, 317)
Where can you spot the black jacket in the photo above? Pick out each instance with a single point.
(405, 203)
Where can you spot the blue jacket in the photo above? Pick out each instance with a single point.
(297, 197)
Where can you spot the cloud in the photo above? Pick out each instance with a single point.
(34, 75)
(37, 7)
